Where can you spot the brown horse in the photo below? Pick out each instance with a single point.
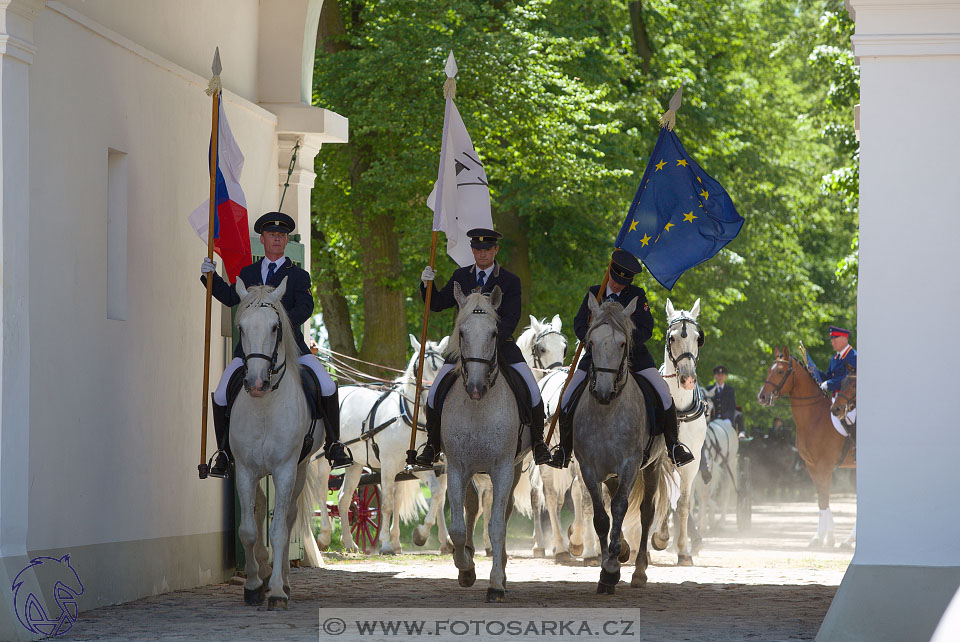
(819, 444)
(846, 399)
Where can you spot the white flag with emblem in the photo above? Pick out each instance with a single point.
(460, 199)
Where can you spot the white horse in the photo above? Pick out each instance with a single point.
(268, 424)
(681, 353)
(722, 450)
(544, 348)
(375, 425)
(481, 433)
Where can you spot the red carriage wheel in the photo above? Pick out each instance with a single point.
(365, 517)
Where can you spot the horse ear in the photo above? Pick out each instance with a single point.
(496, 296)
(695, 310)
(592, 303)
(277, 294)
(458, 294)
(631, 307)
(786, 352)
(241, 288)
(414, 344)
(670, 309)
(534, 323)
(556, 323)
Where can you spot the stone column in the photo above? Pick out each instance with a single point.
(17, 51)
(907, 565)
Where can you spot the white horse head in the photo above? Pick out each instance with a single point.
(682, 344)
(543, 345)
(265, 335)
(475, 339)
(609, 341)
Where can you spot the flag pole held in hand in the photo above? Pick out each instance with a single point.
(213, 89)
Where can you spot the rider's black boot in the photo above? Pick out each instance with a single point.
(221, 426)
(541, 454)
(562, 453)
(336, 453)
(679, 454)
(431, 450)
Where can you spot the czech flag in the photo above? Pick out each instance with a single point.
(231, 234)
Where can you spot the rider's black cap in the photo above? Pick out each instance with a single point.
(483, 239)
(623, 267)
(274, 222)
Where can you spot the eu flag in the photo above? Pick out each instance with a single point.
(680, 216)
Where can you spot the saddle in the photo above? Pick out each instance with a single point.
(654, 406)
(311, 390)
(515, 382)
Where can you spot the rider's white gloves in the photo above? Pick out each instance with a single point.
(429, 274)
(823, 386)
(208, 266)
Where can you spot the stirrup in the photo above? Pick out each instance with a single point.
(343, 462)
(544, 448)
(420, 463)
(680, 455)
(558, 458)
(219, 474)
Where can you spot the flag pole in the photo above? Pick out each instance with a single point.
(412, 452)
(213, 89)
(576, 358)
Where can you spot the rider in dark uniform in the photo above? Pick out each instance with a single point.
(724, 399)
(274, 229)
(485, 274)
(830, 381)
(620, 288)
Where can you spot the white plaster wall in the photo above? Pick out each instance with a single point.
(909, 283)
(115, 405)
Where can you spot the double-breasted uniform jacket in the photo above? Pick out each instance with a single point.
(509, 310)
(724, 401)
(640, 358)
(837, 369)
(297, 298)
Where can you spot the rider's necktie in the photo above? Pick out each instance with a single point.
(613, 297)
(271, 270)
(481, 277)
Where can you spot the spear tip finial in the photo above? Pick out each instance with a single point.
(216, 68)
(451, 66)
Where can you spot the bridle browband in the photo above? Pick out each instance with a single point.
(620, 371)
(274, 369)
(492, 370)
(537, 361)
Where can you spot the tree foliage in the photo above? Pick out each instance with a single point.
(561, 101)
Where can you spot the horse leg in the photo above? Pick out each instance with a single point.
(535, 491)
(684, 556)
(247, 487)
(576, 532)
(326, 525)
(446, 544)
(821, 476)
(284, 479)
(351, 478)
(390, 516)
(560, 553)
(504, 479)
(291, 522)
(852, 538)
(462, 557)
(650, 484)
(260, 549)
(486, 495)
(601, 523)
(422, 532)
(591, 542)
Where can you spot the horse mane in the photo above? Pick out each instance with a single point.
(613, 313)
(474, 301)
(256, 297)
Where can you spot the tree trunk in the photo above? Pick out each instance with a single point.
(336, 311)
(641, 40)
(514, 255)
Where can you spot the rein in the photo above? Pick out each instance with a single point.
(274, 369)
(537, 361)
(778, 388)
(684, 319)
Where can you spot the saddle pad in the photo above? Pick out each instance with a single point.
(654, 405)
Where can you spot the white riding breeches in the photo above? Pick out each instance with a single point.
(327, 386)
(521, 367)
(650, 374)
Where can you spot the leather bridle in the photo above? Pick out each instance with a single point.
(492, 370)
(274, 368)
(683, 333)
(778, 388)
(620, 371)
(537, 361)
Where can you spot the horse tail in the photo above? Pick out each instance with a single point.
(529, 481)
(308, 499)
(410, 502)
(665, 480)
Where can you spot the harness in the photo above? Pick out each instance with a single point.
(537, 361)
(697, 407)
(620, 371)
(778, 388)
(272, 359)
(491, 363)
(684, 319)
(713, 449)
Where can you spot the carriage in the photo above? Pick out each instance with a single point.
(364, 519)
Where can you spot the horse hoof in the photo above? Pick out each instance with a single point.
(606, 589)
(254, 597)
(829, 541)
(538, 551)
(684, 560)
(562, 557)
(277, 602)
(286, 589)
(591, 561)
(467, 578)
(608, 578)
(624, 555)
(446, 548)
(419, 536)
(815, 543)
(576, 550)
(657, 543)
(387, 551)
(638, 581)
(488, 552)
(323, 543)
(494, 595)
